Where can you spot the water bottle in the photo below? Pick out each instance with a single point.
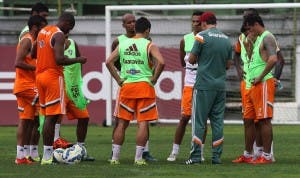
(279, 85)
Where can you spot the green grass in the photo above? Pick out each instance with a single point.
(98, 141)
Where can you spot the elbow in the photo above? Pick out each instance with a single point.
(107, 64)
(163, 65)
(18, 65)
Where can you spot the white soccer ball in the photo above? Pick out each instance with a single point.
(73, 154)
(57, 155)
(83, 152)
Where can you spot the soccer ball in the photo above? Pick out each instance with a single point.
(73, 154)
(57, 155)
(83, 152)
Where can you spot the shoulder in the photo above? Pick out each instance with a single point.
(269, 38)
(188, 35)
(200, 37)
(116, 41)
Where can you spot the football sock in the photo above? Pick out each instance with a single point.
(175, 149)
(259, 151)
(80, 143)
(48, 151)
(139, 152)
(116, 151)
(20, 152)
(272, 153)
(34, 151)
(146, 146)
(56, 131)
(247, 154)
(202, 150)
(26, 150)
(268, 156)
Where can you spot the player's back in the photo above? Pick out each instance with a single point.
(45, 50)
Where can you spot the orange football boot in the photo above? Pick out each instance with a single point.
(242, 159)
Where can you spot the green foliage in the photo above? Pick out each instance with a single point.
(286, 142)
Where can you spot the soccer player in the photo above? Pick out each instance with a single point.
(137, 94)
(261, 84)
(59, 142)
(241, 56)
(49, 77)
(243, 52)
(186, 45)
(37, 9)
(212, 51)
(25, 91)
(76, 102)
(31, 150)
(128, 22)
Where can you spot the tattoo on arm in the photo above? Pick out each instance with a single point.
(270, 45)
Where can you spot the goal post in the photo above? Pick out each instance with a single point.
(111, 32)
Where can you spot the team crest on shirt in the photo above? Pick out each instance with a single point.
(41, 43)
(70, 52)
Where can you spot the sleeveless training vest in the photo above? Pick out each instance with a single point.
(73, 78)
(134, 59)
(257, 64)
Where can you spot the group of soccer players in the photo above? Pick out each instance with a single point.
(48, 67)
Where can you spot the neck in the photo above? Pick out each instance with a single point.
(196, 32)
(130, 34)
(139, 35)
(211, 26)
(33, 34)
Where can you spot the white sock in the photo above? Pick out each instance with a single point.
(139, 153)
(81, 143)
(26, 150)
(56, 131)
(116, 151)
(247, 154)
(34, 152)
(272, 153)
(175, 149)
(254, 148)
(202, 151)
(259, 151)
(268, 156)
(20, 152)
(48, 151)
(146, 147)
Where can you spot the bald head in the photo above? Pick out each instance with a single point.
(127, 17)
(129, 23)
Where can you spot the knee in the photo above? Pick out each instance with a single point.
(185, 119)
(248, 123)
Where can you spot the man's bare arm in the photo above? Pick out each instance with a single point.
(279, 65)
(192, 58)
(269, 45)
(58, 42)
(237, 63)
(24, 49)
(110, 66)
(159, 61)
(114, 45)
(182, 53)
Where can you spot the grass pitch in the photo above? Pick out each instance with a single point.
(286, 148)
